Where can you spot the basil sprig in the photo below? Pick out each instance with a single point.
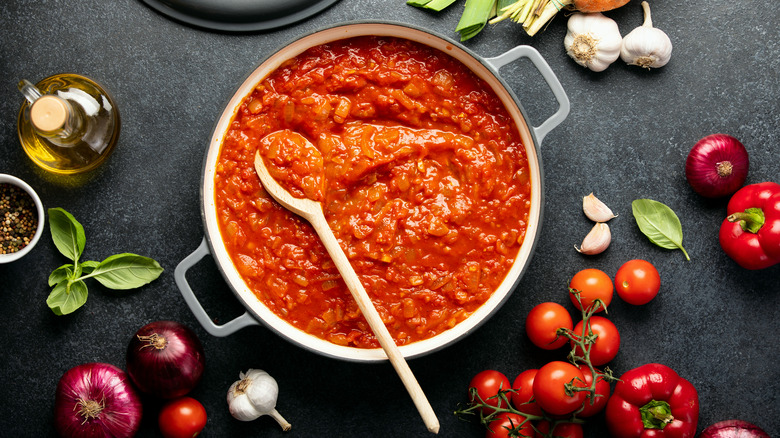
(120, 271)
(659, 223)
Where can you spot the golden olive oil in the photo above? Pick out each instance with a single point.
(68, 123)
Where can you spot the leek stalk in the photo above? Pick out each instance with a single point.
(475, 16)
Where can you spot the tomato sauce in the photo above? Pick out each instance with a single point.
(426, 186)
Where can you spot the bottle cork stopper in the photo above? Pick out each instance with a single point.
(49, 113)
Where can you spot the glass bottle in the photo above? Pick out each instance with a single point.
(68, 123)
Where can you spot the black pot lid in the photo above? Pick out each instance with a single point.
(239, 15)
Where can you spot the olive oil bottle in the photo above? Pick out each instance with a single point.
(68, 123)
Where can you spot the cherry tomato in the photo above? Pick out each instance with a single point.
(593, 284)
(488, 383)
(506, 422)
(524, 392)
(183, 417)
(637, 282)
(542, 323)
(599, 401)
(549, 391)
(607, 343)
(562, 430)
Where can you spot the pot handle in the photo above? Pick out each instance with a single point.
(552, 81)
(180, 275)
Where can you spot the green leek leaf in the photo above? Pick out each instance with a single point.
(438, 5)
(476, 13)
(418, 3)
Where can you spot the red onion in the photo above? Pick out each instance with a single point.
(717, 166)
(733, 429)
(165, 359)
(96, 400)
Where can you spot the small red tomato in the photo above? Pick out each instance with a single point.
(607, 343)
(562, 430)
(550, 391)
(599, 401)
(183, 417)
(543, 322)
(592, 284)
(507, 424)
(637, 282)
(488, 383)
(524, 392)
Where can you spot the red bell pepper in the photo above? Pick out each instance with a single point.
(653, 401)
(751, 233)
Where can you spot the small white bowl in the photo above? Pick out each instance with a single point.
(8, 258)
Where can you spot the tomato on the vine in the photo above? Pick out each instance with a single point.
(543, 322)
(523, 386)
(505, 423)
(596, 404)
(607, 344)
(593, 284)
(488, 383)
(550, 392)
(637, 282)
(183, 417)
(562, 430)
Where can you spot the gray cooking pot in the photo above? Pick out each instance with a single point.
(487, 69)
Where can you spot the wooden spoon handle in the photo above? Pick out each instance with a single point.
(375, 321)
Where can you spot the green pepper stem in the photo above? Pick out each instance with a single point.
(751, 220)
(656, 414)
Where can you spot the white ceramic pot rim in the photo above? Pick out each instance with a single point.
(487, 72)
(10, 179)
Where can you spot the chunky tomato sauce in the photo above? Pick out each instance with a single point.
(425, 184)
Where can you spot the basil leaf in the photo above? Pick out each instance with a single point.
(659, 223)
(67, 233)
(60, 274)
(126, 271)
(88, 266)
(66, 297)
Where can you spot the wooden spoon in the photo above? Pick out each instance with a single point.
(312, 212)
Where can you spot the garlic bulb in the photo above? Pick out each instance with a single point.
(596, 241)
(646, 46)
(254, 396)
(593, 40)
(596, 210)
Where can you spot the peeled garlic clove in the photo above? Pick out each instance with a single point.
(596, 241)
(596, 210)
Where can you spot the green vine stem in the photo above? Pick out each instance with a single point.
(584, 343)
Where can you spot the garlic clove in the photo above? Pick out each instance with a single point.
(646, 46)
(596, 210)
(597, 240)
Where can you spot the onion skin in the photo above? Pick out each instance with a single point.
(598, 5)
(97, 384)
(165, 359)
(733, 429)
(717, 166)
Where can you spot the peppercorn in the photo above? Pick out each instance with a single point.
(18, 218)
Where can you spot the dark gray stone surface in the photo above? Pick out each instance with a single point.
(627, 137)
